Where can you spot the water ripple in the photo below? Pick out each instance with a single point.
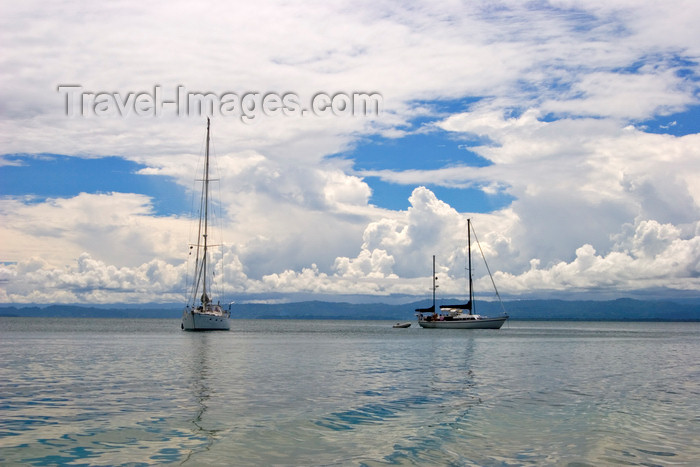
(349, 393)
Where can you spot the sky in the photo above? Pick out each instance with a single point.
(351, 142)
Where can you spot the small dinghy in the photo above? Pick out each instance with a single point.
(402, 325)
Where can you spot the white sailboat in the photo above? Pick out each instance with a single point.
(459, 316)
(201, 313)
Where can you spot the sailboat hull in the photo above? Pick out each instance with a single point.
(194, 321)
(482, 323)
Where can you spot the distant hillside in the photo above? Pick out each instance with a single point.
(623, 309)
(78, 311)
(613, 310)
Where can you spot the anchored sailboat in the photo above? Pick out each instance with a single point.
(205, 315)
(454, 316)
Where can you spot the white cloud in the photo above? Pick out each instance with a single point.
(92, 281)
(401, 246)
(394, 259)
(658, 257)
(446, 51)
(374, 264)
(617, 94)
(120, 227)
(559, 88)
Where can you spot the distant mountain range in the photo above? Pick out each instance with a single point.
(613, 310)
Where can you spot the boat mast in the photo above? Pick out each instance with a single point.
(205, 297)
(434, 286)
(469, 249)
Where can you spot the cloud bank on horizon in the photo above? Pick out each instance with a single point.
(568, 131)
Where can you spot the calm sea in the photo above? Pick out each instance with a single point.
(295, 392)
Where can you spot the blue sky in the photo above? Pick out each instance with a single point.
(45, 176)
(428, 149)
(56, 176)
(569, 133)
(677, 124)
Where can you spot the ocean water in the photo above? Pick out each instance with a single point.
(296, 392)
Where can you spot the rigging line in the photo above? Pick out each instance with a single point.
(196, 212)
(217, 220)
(466, 264)
(193, 211)
(200, 256)
(489, 270)
(199, 266)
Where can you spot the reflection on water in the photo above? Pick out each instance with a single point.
(199, 369)
(120, 392)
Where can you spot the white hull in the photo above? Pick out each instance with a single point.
(196, 321)
(481, 323)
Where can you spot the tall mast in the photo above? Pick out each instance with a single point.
(205, 297)
(469, 249)
(434, 286)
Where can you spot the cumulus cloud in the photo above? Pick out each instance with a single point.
(402, 246)
(655, 256)
(394, 258)
(92, 281)
(119, 227)
(577, 180)
(557, 93)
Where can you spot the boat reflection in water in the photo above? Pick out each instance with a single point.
(201, 393)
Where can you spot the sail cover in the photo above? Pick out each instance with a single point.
(465, 306)
(426, 310)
